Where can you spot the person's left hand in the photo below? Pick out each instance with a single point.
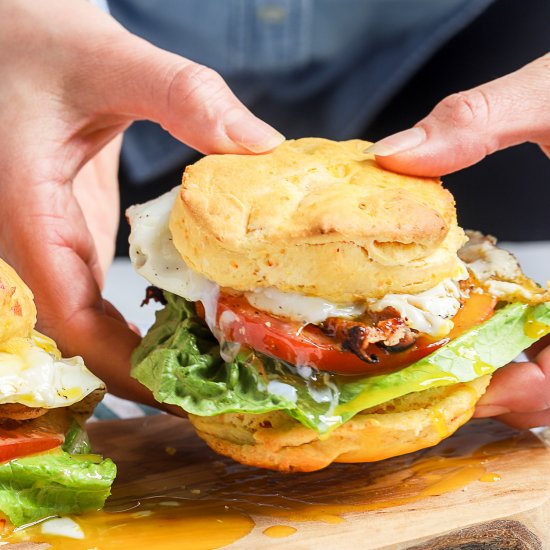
(462, 130)
(73, 79)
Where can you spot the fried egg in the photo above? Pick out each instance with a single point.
(33, 373)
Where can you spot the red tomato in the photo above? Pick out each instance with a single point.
(307, 345)
(23, 441)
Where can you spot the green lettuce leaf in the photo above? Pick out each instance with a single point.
(179, 361)
(51, 484)
(76, 439)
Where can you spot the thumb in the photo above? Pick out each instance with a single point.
(467, 126)
(191, 101)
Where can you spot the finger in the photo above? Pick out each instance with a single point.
(106, 343)
(466, 127)
(127, 388)
(134, 328)
(134, 391)
(96, 190)
(518, 388)
(112, 311)
(525, 421)
(191, 101)
(537, 347)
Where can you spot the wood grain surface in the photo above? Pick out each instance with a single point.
(391, 504)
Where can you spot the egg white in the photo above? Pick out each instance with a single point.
(32, 373)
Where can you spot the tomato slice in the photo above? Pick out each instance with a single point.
(23, 441)
(307, 345)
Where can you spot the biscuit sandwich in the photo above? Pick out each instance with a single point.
(321, 309)
(46, 465)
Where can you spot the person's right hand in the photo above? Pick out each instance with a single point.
(72, 80)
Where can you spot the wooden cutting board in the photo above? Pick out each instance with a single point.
(487, 487)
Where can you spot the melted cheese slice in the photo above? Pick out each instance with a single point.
(154, 256)
(33, 373)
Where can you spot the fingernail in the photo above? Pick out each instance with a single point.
(483, 411)
(244, 129)
(398, 143)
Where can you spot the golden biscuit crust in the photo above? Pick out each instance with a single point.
(278, 442)
(316, 217)
(17, 309)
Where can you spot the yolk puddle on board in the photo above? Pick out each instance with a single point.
(208, 502)
(489, 477)
(279, 531)
(183, 525)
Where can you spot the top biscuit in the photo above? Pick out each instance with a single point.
(316, 217)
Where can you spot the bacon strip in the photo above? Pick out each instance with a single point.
(153, 293)
(391, 333)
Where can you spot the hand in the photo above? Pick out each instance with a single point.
(460, 131)
(73, 80)
(466, 127)
(519, 394)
